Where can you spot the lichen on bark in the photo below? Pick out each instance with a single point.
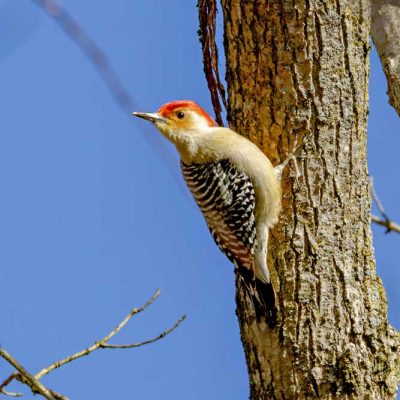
(295, 68)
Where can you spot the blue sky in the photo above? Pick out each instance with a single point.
(94, 219)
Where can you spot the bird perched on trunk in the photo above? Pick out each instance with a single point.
(236, 188)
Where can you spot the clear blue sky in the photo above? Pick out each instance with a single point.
(92, 220)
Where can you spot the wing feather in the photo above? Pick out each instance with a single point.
(226, 198)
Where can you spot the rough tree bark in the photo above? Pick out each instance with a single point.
(294, 68)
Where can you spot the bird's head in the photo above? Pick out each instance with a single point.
(179, 120)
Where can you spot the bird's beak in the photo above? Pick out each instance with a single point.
(152, 117)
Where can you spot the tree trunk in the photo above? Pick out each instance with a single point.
(295, 68)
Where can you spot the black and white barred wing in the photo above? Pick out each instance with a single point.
(226, 198)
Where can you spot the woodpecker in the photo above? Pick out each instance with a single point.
(236, 188)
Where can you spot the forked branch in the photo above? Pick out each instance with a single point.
(33, 381)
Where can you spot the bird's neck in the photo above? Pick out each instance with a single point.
(193, 146)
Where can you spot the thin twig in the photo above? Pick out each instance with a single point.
(7, 382)
(139, 344)
(377, 200)
(385, 220)
(99, 343)
(25, 377)
(10, 394)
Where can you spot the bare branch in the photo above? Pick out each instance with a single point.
(99, 343)
(25, 377)
(385, 220)
(387, 223)
(207, 19)
(36, 387)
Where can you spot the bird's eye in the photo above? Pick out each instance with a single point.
(180, 114)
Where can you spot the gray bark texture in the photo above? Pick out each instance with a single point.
(292, 69)
(386, 35)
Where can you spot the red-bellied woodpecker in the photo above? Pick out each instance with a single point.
(235, 186)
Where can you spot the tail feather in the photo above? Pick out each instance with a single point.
(265, 302)
(263, 297)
